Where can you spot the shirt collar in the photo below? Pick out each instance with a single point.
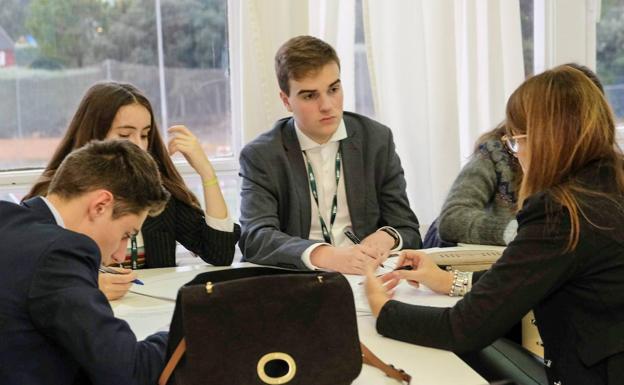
(57, 216)
(306, 143)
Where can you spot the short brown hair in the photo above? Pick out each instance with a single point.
(118, 166)
(300, 56)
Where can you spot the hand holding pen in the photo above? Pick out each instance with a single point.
(346, 259)
(115, 282)
(353, 238)
(417, 267)
(110, 270)
(404, 267)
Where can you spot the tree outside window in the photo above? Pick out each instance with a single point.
(62, 47)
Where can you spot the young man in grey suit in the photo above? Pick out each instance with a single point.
(321, 173)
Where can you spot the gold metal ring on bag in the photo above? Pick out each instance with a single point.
(292, 368)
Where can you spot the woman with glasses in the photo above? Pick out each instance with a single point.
(567, 260)
(480, 207)
(111, 110)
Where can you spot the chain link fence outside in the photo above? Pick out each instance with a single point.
(37, 105)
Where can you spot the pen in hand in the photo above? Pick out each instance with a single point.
(404, 267)
(353, 238)
(106, 269)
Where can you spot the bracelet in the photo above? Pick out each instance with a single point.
(459, 287)
(394, 234)
(210, 182)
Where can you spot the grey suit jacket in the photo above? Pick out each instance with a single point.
(275, 195)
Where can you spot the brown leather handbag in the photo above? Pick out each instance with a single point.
(260, 325)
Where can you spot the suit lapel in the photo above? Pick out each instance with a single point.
(353, 167)
(299, 175)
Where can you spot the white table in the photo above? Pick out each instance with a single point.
(146, 315)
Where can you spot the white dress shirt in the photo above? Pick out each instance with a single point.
(322, 158)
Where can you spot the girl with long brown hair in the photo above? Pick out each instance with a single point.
(113, 110)
(567, 259)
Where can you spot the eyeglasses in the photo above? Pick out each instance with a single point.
(512, 141)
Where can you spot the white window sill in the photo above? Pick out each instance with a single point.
(28, 177)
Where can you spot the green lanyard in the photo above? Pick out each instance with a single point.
(134, 253)
(334, 210)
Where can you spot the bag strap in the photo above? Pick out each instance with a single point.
(371, 359)
(368, 357)
(173, 362)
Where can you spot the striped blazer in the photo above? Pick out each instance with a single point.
(187, 225)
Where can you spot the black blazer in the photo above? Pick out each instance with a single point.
(56, 326)
(187, 225)
(577, 297)
(275, 194)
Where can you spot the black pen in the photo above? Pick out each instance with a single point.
(353, 238)
(105, 269)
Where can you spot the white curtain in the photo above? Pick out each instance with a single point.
(441, 72)
(334, 22)
(490, 64)
(262, 27)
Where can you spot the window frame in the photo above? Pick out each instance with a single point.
(555, 23)
(24, 178)
(549, 28)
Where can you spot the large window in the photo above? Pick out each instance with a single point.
(526, 23)
(363, 93)
(176, 51)
(610, 54)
